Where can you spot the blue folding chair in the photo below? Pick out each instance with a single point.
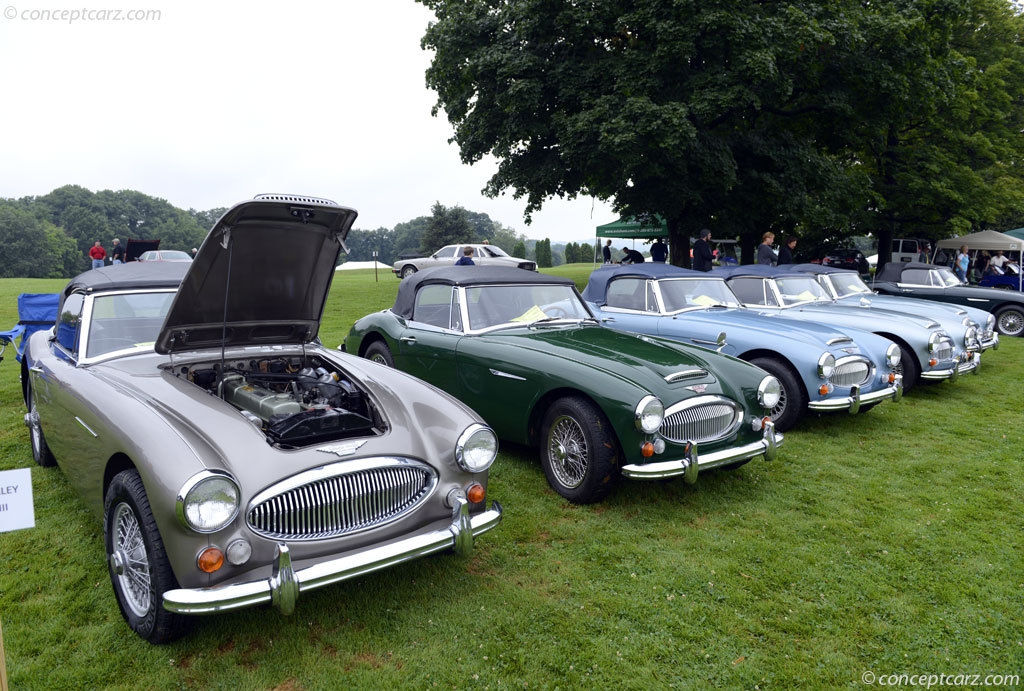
(36, 311)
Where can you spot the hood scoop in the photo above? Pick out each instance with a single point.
(685, 374)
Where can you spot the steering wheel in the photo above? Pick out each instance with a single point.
(556, 311)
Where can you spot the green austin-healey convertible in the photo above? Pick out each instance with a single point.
(524, 351)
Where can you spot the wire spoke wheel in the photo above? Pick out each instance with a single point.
(1010, 322)
(780, 408)
(133, 562)
(567, 448)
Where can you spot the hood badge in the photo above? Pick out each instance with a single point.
(851, 351)
(346, 449)
(698, 388)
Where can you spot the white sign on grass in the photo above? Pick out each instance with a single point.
(16, 510)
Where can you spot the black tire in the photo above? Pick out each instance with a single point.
(380, 353)
(41, 453)
(1010, 320)
(793, 402)
(577, 430)
(408, 270)
(134, 546)
(909, 367)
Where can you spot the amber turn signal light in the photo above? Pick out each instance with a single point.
(475, 493)
(647, 450)
(823, 389)
(892, 377)
(210, 559)
(933, 362)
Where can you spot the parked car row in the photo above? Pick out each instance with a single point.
(272, 465)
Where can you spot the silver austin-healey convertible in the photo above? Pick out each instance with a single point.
(234, 460)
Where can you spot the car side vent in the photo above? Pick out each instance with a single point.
(838, 340)
(291, 198)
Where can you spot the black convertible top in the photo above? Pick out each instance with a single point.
(465, 276)
(129, 276)
(894, 270)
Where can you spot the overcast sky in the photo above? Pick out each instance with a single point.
(207, 104)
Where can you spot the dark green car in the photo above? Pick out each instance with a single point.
(939, 283)
(523, 350)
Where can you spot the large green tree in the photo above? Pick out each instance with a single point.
(447, 225)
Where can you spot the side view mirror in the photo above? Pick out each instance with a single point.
(720, 341)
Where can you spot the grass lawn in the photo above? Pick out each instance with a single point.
(889, 542)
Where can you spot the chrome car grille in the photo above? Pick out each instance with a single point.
(851, 372)
(701, 419)
(341, 498)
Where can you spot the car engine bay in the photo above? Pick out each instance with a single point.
(295, 401)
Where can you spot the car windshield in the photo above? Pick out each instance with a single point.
(494, 251)
(801, 289)
(946, 277)
(175, 256)
(848, 284)
(683, 294)
(519, 305)
(125, 321)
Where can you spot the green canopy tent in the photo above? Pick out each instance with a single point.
(1017, 233)
(631, 228)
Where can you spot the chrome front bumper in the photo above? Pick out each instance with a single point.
(693, 462)
(283, 587)
(951, 373)
(992, 343)
(856, 399)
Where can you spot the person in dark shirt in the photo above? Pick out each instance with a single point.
(765, 253)
(606, 252)
(632, 256)
(117, 252)
(659, 251)
(467, 257)
(786, 251)
(702, 255)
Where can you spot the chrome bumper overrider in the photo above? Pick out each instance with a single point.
(856, 399)
(692, 462)
(953, 372)
(991, 343)
(283, 587)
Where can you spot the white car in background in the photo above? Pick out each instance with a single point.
(486, 255)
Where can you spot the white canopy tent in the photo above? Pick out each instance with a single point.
(988, 240)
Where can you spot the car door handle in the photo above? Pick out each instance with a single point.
(408, 339)
(37, 370)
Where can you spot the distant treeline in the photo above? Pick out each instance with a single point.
(49, 236)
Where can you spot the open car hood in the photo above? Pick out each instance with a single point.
(261, 276)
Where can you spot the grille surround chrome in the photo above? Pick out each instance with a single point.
(341, 499)
(674, 430)
(840, 377)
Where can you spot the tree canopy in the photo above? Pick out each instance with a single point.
(827, 118)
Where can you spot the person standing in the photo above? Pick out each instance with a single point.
(606, 252)
(659, 251)
(117, 253)
(765, 253)
(702, 255)
(467, 257)
(786, 251)
(97, 254)
(963, 260)
(632, 256)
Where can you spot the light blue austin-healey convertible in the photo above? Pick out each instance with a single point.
(821, 368)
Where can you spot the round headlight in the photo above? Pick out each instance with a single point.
(650, 413)
(769, 391)
(934, 340)
(208, 501)
(476, 448)
(971, 335)
(826, 365)
(892, 356)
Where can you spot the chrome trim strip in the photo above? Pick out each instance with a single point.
(499, 373)
(705, 461)
(437, 538)
(87, 427)
(978, 300)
